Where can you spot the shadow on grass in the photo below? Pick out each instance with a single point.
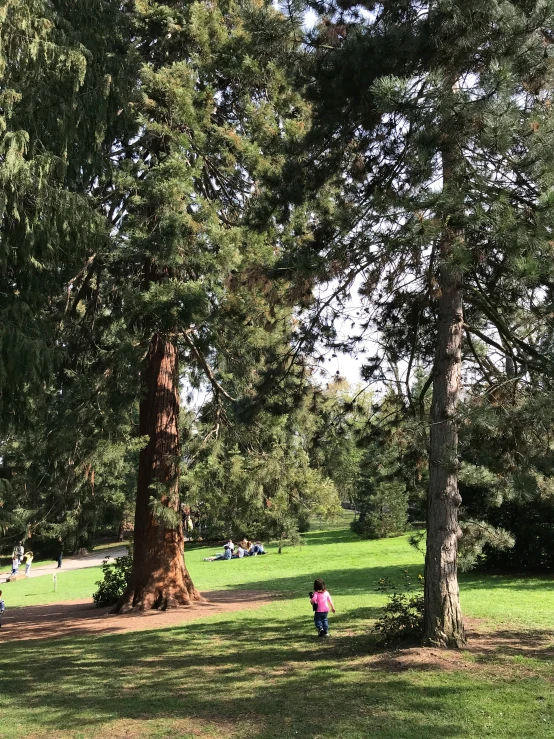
(504, 644)
(330, 537)
(351, 581)
(273, 675)
(520, 582)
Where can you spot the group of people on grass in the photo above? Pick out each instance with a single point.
(246, 548)
(18, 555)
(320, 597)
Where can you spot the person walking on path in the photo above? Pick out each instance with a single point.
(2, 608)
(28, 557)
(18, 552)
(15, 565)
(60, 555)
(322, 601)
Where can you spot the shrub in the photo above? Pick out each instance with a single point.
(303, 522)
(531, 524)
(383, 511)
(116, 575)
(402, 617)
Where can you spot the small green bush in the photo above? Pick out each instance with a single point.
(383, 510)
(402, 617)
(116, 575)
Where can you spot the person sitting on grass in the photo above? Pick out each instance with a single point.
(239, 554)
(227, 554)
(323, 601)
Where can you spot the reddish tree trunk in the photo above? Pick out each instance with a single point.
(443, 617)
(159, 578)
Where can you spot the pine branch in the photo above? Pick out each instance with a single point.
(473, 351)
(423, 392)
(508, 335)
(201, 359)
(87, 271)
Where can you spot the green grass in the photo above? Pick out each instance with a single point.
(34, 591)
(350, 567)
(262, 673)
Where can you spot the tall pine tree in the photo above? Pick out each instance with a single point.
(427, 136)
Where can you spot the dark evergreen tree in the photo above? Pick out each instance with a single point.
(67, 73)
(64, 73)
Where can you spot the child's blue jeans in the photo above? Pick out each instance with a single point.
(320, 620)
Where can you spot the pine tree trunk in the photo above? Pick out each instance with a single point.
(443, 625)
(159, 578)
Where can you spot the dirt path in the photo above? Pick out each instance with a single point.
(93, 559)
(79, 617)
(489, 649)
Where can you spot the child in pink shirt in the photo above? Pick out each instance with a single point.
(322, 601)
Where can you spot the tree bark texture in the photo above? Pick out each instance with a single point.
(159, 577)
(443, 625)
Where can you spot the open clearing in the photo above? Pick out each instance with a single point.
(79, 617)
(254, 668)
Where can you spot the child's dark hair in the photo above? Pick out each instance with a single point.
(319, 585)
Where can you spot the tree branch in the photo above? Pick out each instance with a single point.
(201, 359)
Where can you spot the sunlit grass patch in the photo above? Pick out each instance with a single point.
(263, 673)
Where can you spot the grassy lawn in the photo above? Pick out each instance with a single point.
(263, 674)
(34, 591)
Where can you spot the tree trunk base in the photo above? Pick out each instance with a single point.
(444, 642)
(439, 638)
(159, 578)
(160, 598)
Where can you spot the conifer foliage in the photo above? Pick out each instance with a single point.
(177, 180)
(61, 74)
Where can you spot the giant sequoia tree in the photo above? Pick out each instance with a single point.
(215, 107)
(429, 136)
(135, 139)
